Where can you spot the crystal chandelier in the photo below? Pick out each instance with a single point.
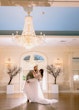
(28, 39)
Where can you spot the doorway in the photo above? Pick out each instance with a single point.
(28, 61)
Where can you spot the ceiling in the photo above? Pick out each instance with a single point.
(49, 41)
(39, 2)
(65, 35)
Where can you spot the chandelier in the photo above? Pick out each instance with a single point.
(28, 38)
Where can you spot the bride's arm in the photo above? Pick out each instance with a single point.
(31, 80)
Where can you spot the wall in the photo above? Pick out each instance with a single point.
(15, 53)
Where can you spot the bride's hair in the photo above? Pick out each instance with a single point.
(41, 71)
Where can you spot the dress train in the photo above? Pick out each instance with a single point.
(34, 93)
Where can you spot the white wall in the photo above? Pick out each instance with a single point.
(15, 53)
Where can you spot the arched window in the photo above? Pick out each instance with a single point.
(27, 58)
(38, 57)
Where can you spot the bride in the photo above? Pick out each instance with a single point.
(33, 90)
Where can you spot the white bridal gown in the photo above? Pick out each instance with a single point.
(34, 93)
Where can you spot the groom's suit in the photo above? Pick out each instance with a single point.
(29, 75)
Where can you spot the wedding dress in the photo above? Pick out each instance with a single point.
(34, 92)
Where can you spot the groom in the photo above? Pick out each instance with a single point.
(32, 73)
(38, 74)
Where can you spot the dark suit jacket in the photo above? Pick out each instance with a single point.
(29, 75)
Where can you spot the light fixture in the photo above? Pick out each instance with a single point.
(58, 63)
(9, 63)
(28, 39)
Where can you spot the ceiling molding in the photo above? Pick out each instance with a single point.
(39, 2)
(58, 33)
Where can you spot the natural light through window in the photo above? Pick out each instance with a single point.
(76, 77)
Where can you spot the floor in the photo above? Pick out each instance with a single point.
(67, 101)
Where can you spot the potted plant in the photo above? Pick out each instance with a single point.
(12, 72)
(54, 71)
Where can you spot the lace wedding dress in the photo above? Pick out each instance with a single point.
(34, 93)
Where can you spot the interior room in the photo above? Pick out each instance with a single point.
(43, 33)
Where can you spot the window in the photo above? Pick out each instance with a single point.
(27, 58)
(38, 57)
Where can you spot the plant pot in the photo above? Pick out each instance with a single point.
(10, 89)
(55, 88)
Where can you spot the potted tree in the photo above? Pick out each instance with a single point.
(12, 72)
(54, 71)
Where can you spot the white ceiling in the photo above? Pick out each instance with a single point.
(49, 41)
(63, 41)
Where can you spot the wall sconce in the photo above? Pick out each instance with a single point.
(58, 63)
(9, 63)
